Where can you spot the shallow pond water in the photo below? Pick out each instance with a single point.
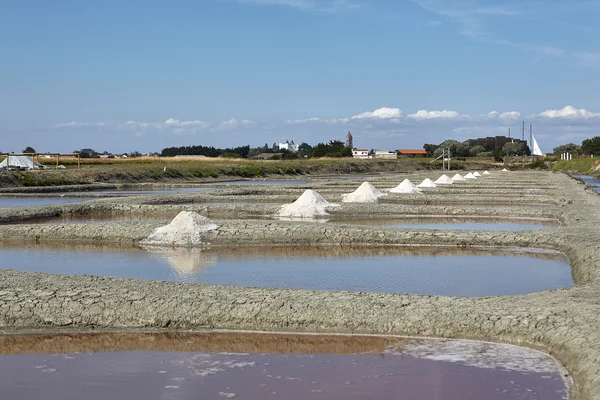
(99, 219)
(459, 223)
(38, 201)
(263, 366)
(147, 191)
(264, 182)
(419, 270)
(591, 180)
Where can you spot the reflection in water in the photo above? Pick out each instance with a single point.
(258, 366)
(393, 269)
(185, 261)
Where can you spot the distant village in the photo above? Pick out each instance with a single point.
(492, 146)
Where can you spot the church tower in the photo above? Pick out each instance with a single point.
(349, 143)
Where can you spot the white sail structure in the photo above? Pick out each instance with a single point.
(535, 147)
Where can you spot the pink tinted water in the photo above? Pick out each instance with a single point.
(274, 371)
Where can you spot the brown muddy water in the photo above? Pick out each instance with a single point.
(417, 270)
(270, 366)
(460, 223)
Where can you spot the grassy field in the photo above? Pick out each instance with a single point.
(149, 169)
(579, 165)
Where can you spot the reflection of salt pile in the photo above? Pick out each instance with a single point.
(477, 174)
(311, 204)
(457, 178)
(504, 170)
(427, 183)
(486, 173)
(470, 176)
(366, 193)
(185, 262)
(186, 229)
(406, 187)
(444, 180)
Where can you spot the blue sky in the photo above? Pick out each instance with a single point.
(143, 75)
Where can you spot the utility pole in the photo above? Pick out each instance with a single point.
(523, 130)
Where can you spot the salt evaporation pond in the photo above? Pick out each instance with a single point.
(263, 366)
(150, 190)
(38, 201)
(459, 223)
(98, 219)
(418, 270)
(265, 182)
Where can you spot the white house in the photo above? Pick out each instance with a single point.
(385, 154)
(360, 153)
(289, 146)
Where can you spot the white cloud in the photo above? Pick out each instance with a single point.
(510, 115)
(380, 113)
(234, 123)
(569, 112)
(443, 114)
(304, 121)
(492, 114)
(72, 124)
(178, 123)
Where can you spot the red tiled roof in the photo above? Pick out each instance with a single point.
(405, 151)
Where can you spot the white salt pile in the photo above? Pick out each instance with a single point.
(477, 174)
(458, 177)
(186, 229)
(427, 183)
(444, 180)
(366, 193)
(406, 187)
(309, 205)
(504, 170)
(486, 172)
(470, 176)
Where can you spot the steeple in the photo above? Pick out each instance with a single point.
(349, 142)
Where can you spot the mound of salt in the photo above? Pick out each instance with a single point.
(406, 187)
(477, 174)
(486, 173)
(366, 193)
(470, 176)
(444, 180)
(427, 183)
(458, 177)
(186, 229)
(504, 170)
(309, 205)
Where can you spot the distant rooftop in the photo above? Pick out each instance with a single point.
(408, 151)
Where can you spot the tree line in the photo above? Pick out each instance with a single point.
(334, 148)
(587, 147)
(465, 149)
